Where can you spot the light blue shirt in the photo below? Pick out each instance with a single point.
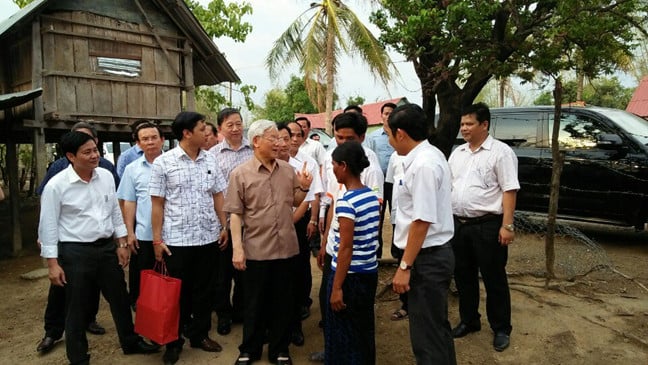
(378, 141)
(127, 157)
(134, 187)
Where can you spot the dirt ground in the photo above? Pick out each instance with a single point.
(593, 315)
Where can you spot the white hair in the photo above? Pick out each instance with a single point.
(258, 128)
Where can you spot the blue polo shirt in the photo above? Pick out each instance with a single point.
(378, 141)
(134, 187)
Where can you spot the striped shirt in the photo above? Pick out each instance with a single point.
(362, 207)
(228, 158)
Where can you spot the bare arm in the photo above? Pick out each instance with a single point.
(128, 211)
(219, 200)
(157, 217)
(345, 252)
(238, 254)
(508, 208)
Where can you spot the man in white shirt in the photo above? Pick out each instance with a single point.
(189, 227)
(424, 229)
(79, 220)
(310, 147)
(484, 190)
(133, 193)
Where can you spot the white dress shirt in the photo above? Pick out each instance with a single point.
(313, 149)
(479, 178)
(424, 194)
(312, 166)
(73, 210)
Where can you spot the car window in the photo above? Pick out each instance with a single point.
(516, 129)
(579, 131)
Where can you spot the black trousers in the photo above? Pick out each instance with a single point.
(430, 330)
(476, 248)
(195, 266)
(350, 336)
(387, 193)
(55, 310)
(87, 267)
(228, 305)
(323, 298)
(304, 277)
(143, 260)
(269, 306)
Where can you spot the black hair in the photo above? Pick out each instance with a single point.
(185, 121)
(72, 141)
(481, 111)
(145, 125)
(355, 108)
(303, 118)
(355, 121)
(284, 125)
(135, 127)
(213, 128)
(85, 125)
(409, 118)
(353, 155)
(226, 113)
(387, 105)
(297, 124)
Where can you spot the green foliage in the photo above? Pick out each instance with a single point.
(316, 40)
(456, 47)
(355, 100)
(280, 105)
(223, 20)
(22, 3)
(210, 100)
(606, 92)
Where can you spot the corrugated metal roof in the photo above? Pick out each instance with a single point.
(210, 65)
(638, 105)
(371, 111)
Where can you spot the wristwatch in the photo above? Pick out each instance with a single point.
(404, 266)
(509, 227)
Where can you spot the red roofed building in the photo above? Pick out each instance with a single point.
(638, 105)
(370, 111)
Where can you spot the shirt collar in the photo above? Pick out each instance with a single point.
(411, 156)
(73, 177)
(226, 145)
(257, 164)
(487, 145)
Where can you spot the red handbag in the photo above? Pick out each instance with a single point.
(158, 305)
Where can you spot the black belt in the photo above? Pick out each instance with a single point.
(432, 249)
(99, 242)
(476, 220)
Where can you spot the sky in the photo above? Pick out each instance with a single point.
(269, 20)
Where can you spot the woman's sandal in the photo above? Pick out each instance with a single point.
(399, 314)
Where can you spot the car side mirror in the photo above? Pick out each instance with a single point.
(609, 141)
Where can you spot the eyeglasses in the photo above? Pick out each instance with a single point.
(272, 139)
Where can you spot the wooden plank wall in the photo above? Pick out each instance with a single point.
(74, 87)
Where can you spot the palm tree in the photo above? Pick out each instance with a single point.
(316, 39)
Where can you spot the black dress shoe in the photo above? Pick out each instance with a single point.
(171, 355)
(224, 327)
(297, 337)
(46, 344)
(141, 347)
(463, 329)
(209, 345)
(95, 328)
(244, 359)
(501, 341)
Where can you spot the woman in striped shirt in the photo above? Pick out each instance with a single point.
(350, 327)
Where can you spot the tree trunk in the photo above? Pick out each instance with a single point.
(330, 78)
(502, 85)
(580, 81)
(558, 160)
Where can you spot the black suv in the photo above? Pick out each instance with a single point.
(605, 177)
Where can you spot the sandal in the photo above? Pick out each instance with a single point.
(399, 314)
